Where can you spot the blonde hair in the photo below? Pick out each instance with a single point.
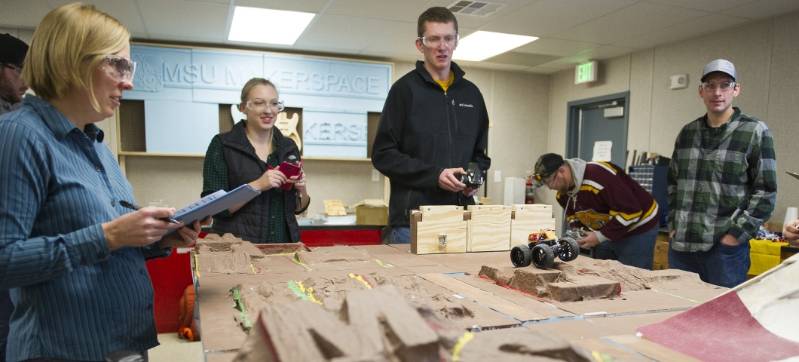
(252, 83)
(67, 46)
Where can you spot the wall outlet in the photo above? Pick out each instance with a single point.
(375, 175)
(497, 176)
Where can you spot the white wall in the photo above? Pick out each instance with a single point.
(528, 114)
(765, 56)
(518, 109)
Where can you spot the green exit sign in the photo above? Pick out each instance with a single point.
(585, 72)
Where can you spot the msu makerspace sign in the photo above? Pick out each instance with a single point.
(182, 88)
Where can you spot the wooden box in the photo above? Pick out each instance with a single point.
(371, 212)
(489, 228)
(438, 230)
(529, 218)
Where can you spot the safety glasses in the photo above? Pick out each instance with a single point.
(259, 105)
(123, 68)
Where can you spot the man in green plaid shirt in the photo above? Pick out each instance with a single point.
(722, 183)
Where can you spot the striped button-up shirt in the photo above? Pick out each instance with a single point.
(721, 181)
(73, 298)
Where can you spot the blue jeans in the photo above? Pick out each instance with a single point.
(400, 235)
(721, 265)
(5, 316)
(637, 250)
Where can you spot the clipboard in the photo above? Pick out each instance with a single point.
(215, 203)
(794, 174)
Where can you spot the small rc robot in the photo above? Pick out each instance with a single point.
(543, 247)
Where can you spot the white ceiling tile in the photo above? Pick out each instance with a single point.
(23, 13)
(551, 16)
(223, 2)
(126, 12)
(598, 53)
(397, 41)
(360, 33)
(477, 22)
(685, 30)
(707, 5)
(28, 14)
(603, 52)
(405, 10)
(407, 53)
(764, 8)
(574, 30)
(310, 6)
(168, 20)
(488, 65)
(559, 47)
(641, 18)
(520, 59)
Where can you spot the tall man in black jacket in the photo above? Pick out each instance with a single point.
(434, 123)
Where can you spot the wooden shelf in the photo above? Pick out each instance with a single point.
(193, 155)
(131, 132)
(155, 154)
(341, 159)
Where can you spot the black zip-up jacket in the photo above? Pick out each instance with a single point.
(251, 221)
(424, 130)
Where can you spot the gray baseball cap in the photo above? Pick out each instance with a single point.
(719, 65)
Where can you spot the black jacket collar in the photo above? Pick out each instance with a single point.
(237, 138)
(459, 73)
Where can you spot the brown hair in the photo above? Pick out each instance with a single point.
(252, 83)
(436, 14)
(67, 46)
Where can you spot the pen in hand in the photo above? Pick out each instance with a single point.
(133, 206)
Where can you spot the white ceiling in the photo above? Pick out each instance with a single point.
(570, 31)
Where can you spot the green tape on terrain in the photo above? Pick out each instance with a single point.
(238, 304)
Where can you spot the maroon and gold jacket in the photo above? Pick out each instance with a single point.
(608, 201)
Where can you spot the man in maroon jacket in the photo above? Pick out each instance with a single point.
(621, 215)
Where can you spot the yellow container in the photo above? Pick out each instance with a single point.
(765, 254)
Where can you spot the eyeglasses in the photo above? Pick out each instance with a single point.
(13, 67)
(724, 86)
(544, 181)
(435, 40)
(123, 68)
(259, 105)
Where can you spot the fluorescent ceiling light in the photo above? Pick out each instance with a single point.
(482, 45)
(269, 26)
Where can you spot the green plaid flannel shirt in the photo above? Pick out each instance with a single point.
(721, 181)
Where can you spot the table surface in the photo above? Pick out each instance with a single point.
(492, 305)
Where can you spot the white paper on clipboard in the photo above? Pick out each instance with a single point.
(215, 203)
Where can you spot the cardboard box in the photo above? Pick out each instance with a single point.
(371, 212)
